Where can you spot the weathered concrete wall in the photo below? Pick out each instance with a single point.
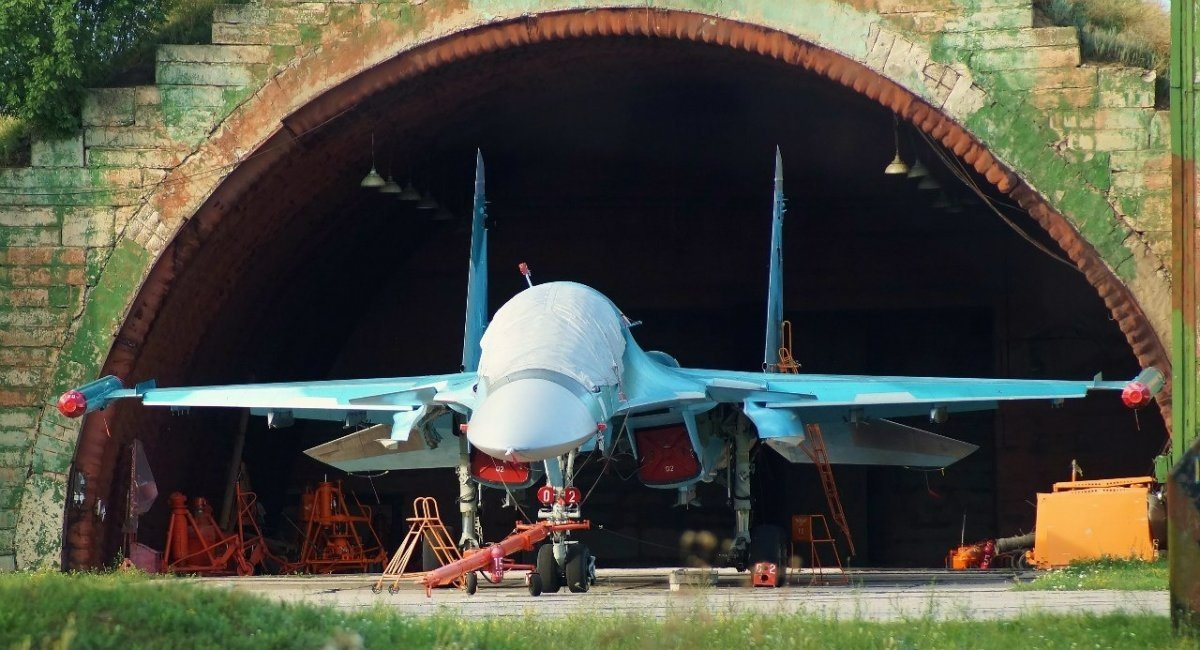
(82, 227)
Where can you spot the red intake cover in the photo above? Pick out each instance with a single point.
(667, 455)
(493, 470)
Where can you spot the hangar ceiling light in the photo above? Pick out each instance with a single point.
(372, 179)
(897, 166)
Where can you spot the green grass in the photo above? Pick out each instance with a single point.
(14, 142)
(125, 611)
(1132, 32)
(1127, 575)
(187, 22)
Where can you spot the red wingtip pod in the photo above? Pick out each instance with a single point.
(1136, 395)
(72, 404)
(523, 268)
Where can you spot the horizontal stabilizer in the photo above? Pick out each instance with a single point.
(878, 442)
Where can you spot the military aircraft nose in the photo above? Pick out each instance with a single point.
(529, 420)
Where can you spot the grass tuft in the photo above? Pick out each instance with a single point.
(49, 609)
(14, 142)
(186, 22)
(1107, 573)
(1132, 32)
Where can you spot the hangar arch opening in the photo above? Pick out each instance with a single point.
(642, 167)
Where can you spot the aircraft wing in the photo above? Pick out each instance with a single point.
(403, 402)
(853, 411)
(882, 396)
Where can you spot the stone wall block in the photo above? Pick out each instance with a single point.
(1020, 17)
(308, 13)
(922, 22)
(149, 116)
(1124, 118)
(1063, 98)
(1126, 87)
(135, 137)
(209, 74)
(39, 532)
(1121, 139)
(1146, 212)
(213, 54)
(27, 216)
(29, 377)
(1160, 130)
(1010, 38)
(193, 96)
(1045, 78)
(29, 339)
(18, 418)
(109, 107)
(24, 298)
(234, 34)
(881, 49)
(1150, 160)
(911, 6)
(24, 357)
(242, 14)
(90, 228)
(12, 236)
(157, 158)
(1140, 182)
(964, 99)
(1058, 56)
(64, 152)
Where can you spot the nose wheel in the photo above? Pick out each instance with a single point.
(547, 570)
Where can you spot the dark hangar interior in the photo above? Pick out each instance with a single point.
(643, 169)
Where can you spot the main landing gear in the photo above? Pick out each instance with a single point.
(763, 550)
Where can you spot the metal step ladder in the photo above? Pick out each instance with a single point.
(426, 525)
(814, 443)
(814, 447)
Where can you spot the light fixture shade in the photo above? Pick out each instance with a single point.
(372, 179)
(918, 170)
(391, 187)
(427, 203)
(410, 193)
(941, 202)
(443, 214)
(929, 183)
(896, 167)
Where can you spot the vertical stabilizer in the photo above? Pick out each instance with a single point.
(775, 279)
(477, 306)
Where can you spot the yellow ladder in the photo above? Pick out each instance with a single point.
(426, 525)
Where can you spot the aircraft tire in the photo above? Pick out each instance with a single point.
(769, 544)
(548, 569)
(535, 584)
(472, 583)
(577, 568)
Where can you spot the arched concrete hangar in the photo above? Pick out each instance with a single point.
(629, 149)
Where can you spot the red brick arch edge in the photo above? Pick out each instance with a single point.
(606, 23)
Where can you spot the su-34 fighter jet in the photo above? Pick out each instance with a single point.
(557, 372)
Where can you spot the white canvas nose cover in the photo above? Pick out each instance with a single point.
(529, 420)
(559, 326)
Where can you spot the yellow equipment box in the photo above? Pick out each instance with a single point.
(1083, 520)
